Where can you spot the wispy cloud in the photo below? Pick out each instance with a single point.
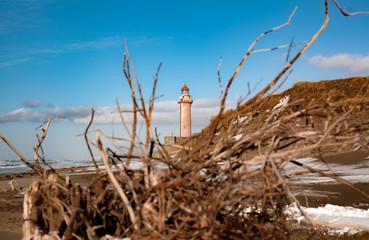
(348, 62)
(166, 114)
(10, 63)
(79, 46)
(12, 57)
(148, 41)
(28, 113)
(33, 54)
(99, 43)
(20, 13)
(32, 103)
(21, 115)
(68, 113)
(24, 3)
(106, 42)
(47, 51)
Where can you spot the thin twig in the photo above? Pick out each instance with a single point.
(87, 142)
(297, 56)
(36, 169)
(220, 78)
(40, 141)
(345, 13)
(248, 53)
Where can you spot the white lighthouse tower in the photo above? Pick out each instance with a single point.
(185, 102)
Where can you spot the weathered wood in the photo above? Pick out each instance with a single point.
(30, 211)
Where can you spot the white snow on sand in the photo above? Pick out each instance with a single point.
(339, 219)
(356, 172)
(282, 103)
(238, 137)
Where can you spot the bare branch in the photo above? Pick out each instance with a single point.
(219, 78)
(297, 56)
(345, 13)
(87, 142)
(271, 49)
(248, 53)
(289, 50)
(41, 140)
(36, 169)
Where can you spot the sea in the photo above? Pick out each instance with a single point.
(17, 166)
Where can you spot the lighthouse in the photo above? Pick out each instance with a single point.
(185, 102)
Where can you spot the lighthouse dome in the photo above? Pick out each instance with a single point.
(185, 88)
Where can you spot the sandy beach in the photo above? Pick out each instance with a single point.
(11, 206)
(11, 201)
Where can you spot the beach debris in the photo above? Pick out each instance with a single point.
(13, 183)
(240, 120)
(339, 220)
(282, 103)
(238, 137)
(20, 194)
(357, 147)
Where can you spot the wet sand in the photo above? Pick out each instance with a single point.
(336, 194)
(320, 194)
(11, 202)
(10, 235)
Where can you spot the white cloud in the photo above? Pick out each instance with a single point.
(103, 115)
(348, 62)
(68, 113)
(21, 115)
(166, 114)
(203, 110)
(29, 114)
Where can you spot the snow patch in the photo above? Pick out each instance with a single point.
(339, 219)
(238, 137)
(282, 103)
(240, 120)
(357, 172)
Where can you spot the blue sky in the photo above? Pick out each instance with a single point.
(61, 58)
